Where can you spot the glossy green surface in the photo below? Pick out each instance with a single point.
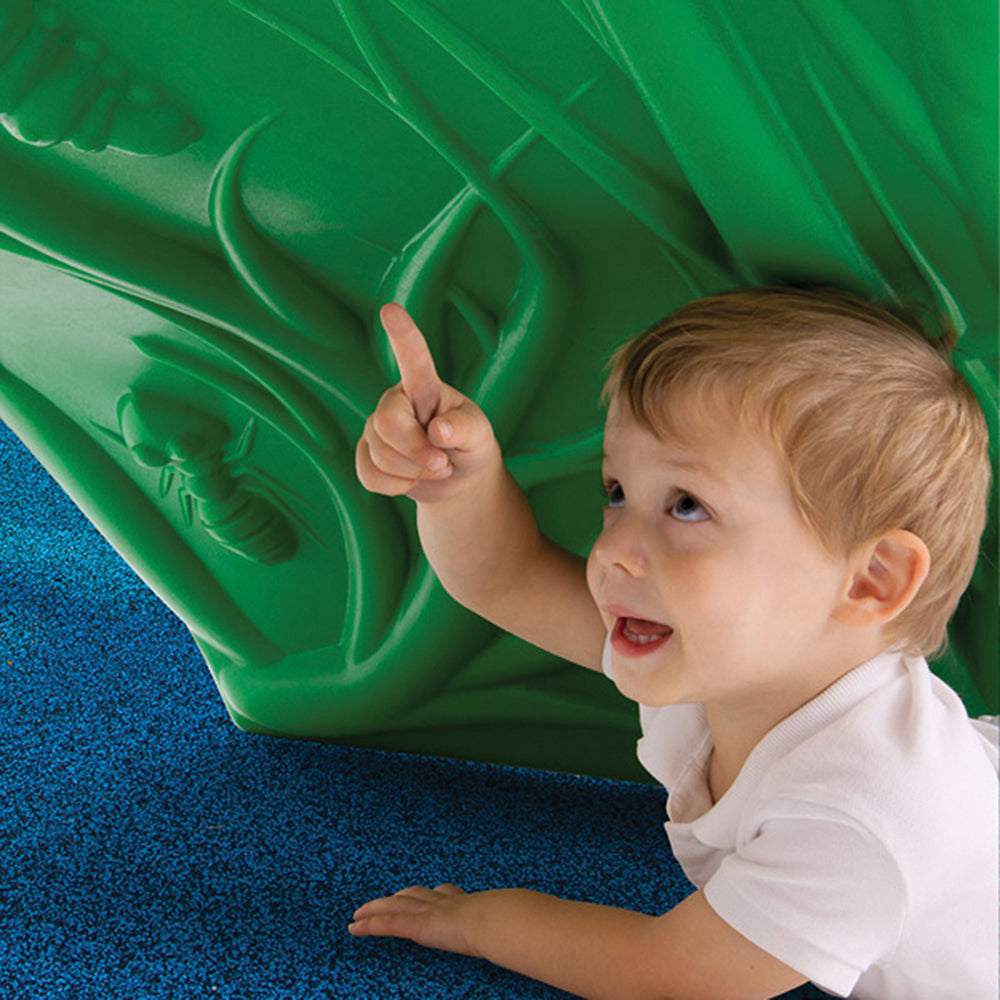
(202, 205)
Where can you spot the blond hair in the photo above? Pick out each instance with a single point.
(876, 429)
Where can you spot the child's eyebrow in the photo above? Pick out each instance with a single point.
(691, 464)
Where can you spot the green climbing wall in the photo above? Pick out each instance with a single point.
(203, 203)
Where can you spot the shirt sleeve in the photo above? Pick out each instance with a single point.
(818, 892)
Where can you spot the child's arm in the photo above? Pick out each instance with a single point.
(428, 441)
(589, 950)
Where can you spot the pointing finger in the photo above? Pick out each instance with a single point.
(416, 366)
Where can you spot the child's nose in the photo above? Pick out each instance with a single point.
(620, 545)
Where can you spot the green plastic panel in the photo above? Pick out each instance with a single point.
(203, 203)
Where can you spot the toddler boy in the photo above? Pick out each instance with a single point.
(796, 487)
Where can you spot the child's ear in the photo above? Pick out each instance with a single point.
(885, 575)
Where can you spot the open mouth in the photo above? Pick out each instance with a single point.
(637, 636)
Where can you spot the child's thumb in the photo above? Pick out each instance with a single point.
(463, 428)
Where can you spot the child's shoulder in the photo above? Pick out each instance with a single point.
(891, 747)
(878, 799)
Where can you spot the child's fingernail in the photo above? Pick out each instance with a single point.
(438, 463)
(445, 430)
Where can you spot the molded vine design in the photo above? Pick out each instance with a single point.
(309, 366)
(307, 363)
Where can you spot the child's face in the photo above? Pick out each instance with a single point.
(711, 584)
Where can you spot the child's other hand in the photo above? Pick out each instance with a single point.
(424, 437)
(434, 918)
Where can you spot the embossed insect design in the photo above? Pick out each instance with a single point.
(58, 84)
(237, 505)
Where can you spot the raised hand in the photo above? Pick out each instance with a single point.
(424, 439)
(427, 441)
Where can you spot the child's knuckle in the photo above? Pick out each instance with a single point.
(381, 422)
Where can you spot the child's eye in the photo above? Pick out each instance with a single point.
(687, 508)
(615, 494)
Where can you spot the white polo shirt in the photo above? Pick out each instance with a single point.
(859, 842)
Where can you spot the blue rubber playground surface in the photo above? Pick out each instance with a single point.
(149, 849)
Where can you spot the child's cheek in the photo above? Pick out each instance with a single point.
(595, 578)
